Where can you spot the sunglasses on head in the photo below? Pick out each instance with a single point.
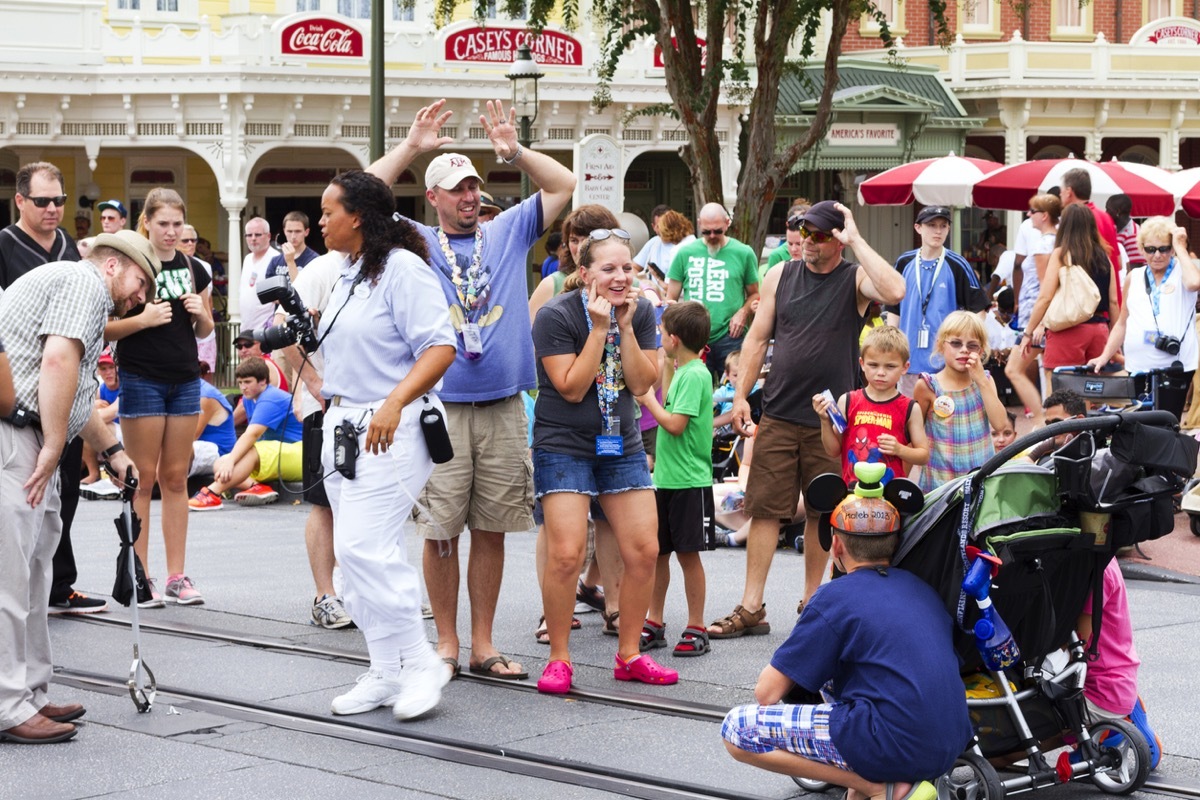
(820, 237)
(42, 202)
(1164, 249)
(600, 234)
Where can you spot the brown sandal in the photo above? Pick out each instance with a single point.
(611, 625)
(741, 622)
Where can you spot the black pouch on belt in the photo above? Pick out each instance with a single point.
(345, 449)
(437, 438)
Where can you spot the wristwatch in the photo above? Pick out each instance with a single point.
(112, 451)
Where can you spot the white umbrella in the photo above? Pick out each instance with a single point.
(932, 182)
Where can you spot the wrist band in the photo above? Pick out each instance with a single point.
(515, 156)
(112, 451)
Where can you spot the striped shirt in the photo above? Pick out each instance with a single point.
(65, 299)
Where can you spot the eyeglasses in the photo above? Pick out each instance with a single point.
(713, 232)
(1036, 211)
(1164, 249)
(243, 345)
(959, 344)
(600, 234)
(820, 237)
(187, 241)
(42, 202)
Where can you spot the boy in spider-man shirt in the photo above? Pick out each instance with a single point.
(882, 425)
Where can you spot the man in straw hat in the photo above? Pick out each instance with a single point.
(52, 326)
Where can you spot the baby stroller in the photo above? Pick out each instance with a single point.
(728, 445)
(1052, 528)
(1138, 391)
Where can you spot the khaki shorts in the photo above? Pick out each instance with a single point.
(786, 458)
(488, 485)
(279, 461)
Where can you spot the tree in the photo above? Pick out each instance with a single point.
(696, 79)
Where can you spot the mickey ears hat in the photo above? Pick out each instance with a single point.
(865, 512)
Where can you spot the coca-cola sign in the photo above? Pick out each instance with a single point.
(323, 37)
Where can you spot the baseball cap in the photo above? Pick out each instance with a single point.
(106, 357)
(243, 337)
(824, 216)
(933, 212)
(487, 201)
(137, 249)
(448, 169)
(115, 205)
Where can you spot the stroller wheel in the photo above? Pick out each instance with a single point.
(971, 778)
(1194, 524)
(809, 785)
(1124, 762)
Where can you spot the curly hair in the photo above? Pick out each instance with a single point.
(674, 227)
(581, 222)
(382, 232)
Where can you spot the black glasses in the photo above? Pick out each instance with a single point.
(820, 237)
(42, 202)
(1166, 248)
(187, 241)
(713, 232)
(794, 222)
(600, 234)
(243, 345)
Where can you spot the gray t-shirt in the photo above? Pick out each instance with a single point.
(560, 426)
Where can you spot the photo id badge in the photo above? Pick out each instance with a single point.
(472, 339)
(611, 443)
(923, 338)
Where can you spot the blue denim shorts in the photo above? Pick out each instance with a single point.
(556, 472)
(146, 397)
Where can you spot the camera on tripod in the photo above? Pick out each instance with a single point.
(298, 328)
(1167, 343)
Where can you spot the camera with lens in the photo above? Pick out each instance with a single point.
(1166, 343)
(298, 328)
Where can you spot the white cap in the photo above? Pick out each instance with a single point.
(448, 169)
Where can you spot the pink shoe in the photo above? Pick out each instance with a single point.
(556, 678)
(645, 669)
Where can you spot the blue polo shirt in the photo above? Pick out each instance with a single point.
(223, 436)
(273, 409)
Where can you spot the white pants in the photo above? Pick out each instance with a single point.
(382, 590)
(28, 539)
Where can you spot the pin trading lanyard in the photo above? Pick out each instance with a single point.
(937, 270)
(609, 374)
(1154, 289)
(468, 292)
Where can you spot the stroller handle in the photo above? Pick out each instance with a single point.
(1101, 423)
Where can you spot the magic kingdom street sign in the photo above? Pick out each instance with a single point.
(497, 45)
(320, 37)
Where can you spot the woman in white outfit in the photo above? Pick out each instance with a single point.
(387, 341)
(1159, 313)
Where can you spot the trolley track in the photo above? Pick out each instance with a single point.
(625, 700)
(516, 762)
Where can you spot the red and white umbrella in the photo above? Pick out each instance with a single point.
(1012, 186)
(932, 181)
(1187, 189)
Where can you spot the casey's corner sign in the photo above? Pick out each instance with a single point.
(320, 37)
(497, 45)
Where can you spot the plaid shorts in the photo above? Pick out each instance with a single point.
(803, 730)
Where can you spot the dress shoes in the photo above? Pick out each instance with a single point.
(38, 730)
(65, 713)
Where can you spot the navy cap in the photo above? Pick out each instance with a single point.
(933, 212)
(115, 205)
(824, 216)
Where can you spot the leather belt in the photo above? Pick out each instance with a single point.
(486, 403)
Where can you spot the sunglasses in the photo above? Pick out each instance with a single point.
(794, 223)
(187, 241)
(1164, 249)
(600, 234)
(819, 237)
(713, 232)
(959, 344)
(42, 202)
(243, 345)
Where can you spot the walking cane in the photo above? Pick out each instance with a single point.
(141, 689)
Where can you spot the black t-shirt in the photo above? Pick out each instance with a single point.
(278, 265)
(167, 353)
(19, 253)
(571, 428)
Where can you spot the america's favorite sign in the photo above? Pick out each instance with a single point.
(321, 37)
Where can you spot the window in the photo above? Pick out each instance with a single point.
(979, 19)
(157, 5)
(493, 11)
(358, 9)
(977, 14)
(403, 13)
(184, 13)
(1071, 20)
(1157, 9)
(892, 12)
(308, 5)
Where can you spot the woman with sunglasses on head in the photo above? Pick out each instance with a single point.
(596, 351)
(387, 341)
(1078, 243)
(159, 371)
(1156, 327)
(575, 229)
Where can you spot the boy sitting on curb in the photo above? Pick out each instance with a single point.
(877, 643)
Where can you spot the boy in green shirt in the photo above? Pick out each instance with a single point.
(683, 476)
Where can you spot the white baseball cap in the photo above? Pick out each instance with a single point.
(448, 169)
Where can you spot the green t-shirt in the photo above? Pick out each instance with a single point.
(779, 255)
(719, 282)
(685, 461)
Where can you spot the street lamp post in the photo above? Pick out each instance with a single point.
(524, 75)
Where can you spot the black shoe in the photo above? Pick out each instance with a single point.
(77, 603)
(589, 595)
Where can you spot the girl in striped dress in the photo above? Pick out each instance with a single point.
(960, 403)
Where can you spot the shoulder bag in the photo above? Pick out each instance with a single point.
(1076, 299)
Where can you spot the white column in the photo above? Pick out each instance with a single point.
(234, 206)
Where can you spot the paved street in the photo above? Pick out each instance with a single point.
(251, 566)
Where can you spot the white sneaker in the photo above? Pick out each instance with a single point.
(423, 680)
(328, 612)
(371, 691)
(103, 489)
